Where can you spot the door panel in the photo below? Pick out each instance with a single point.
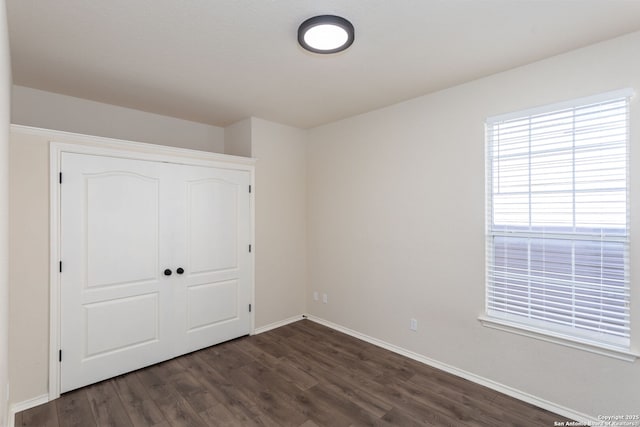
(129, 218)
(211, 303)
(109, 323)
(212, 225)
(115, 305)
(215, 292)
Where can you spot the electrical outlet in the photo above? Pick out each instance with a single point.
(315, 295)
(414, 325)
(325, 298)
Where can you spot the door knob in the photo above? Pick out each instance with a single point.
(167, 272)
(180, 270)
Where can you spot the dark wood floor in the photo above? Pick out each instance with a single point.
(303, 374)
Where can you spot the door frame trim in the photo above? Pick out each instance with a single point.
(99, 146)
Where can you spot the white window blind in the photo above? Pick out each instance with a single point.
(557, 220)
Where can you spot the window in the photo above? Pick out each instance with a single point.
(557, 220)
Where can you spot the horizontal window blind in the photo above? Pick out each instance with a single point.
(557, 220)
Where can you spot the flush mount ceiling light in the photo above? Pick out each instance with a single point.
(325, 34)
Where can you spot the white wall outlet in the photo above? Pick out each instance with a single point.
(325, 298)
(315, 295)
(414, 325)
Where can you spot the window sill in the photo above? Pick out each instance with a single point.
(597, 348)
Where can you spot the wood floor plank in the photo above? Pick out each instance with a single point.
(313, 408)
(219, 415)
(517, 412)
(422, 414)
(445, 409)
(346, 384)
(398, 417)
(337, 356)
(192, 391)
(302, 374)
(269, 343)
(142, 410)
(234, 398)
(225, 358)
(249, 347)
(334, 410)
(290, 371)
(74, 409)
(106, 406)
(342, 381)
(41, 415)
(274, 397)
(361, 352)
(175, 408)
(475, 399)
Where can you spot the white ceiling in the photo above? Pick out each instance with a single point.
(219, 61)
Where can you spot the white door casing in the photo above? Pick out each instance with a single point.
(122, 223)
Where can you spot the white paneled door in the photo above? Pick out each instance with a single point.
(155, 263)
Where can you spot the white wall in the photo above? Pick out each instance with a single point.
(281, 268)
(280, 198)
(5, 92)
(395, 225)
(37, 108)
(237, 138)
(28, 266)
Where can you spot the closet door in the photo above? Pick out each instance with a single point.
(116, 304)
(155, 263)
(211, 246)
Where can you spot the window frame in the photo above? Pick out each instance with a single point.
(545, 330)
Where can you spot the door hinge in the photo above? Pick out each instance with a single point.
(60, 266)
(249, 248)
(60, 177)
(249, 189)
(59, 355)
(249, 308)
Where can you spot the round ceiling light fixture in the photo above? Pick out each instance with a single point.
(325, 34)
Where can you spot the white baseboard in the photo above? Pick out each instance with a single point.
(278, 324)
(24, 405)
(570, 414)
